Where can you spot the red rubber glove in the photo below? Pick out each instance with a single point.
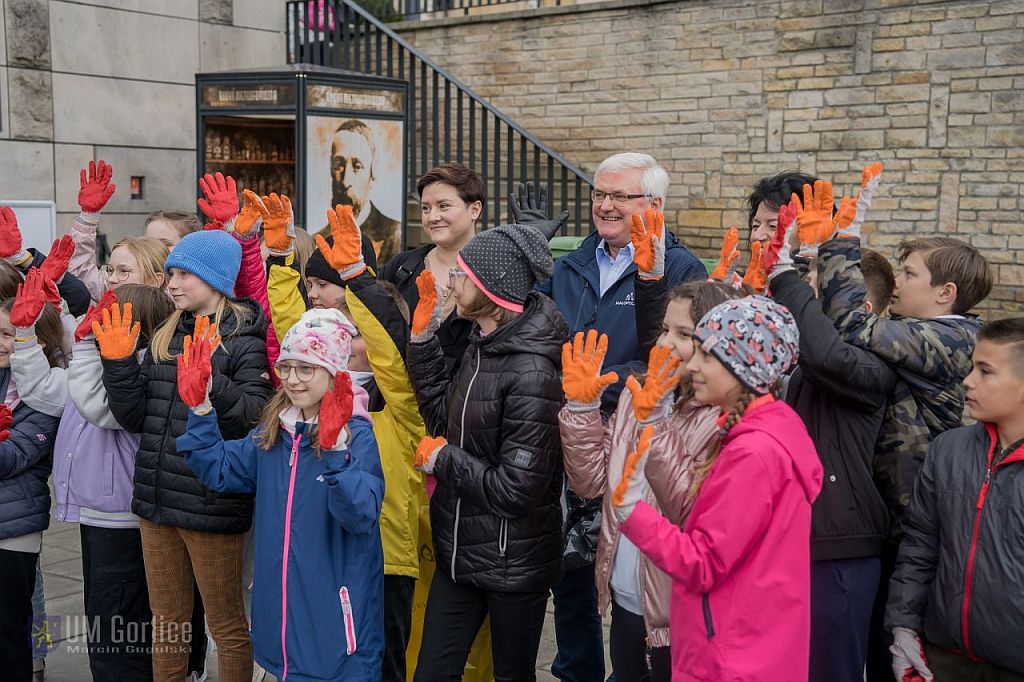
(30, 300)
(335, 411)
(10, 235)
(95, 314)
(95, 189)
(215, 226)
(221, 202)
(194, 370)
(6, 419)
(56, 264)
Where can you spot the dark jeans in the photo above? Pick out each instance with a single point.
(398, 594)
(632, 659)
(116, 597)
(454, 615)
(578, 631)
(879, 661)
(18, 581)
(950, 667)
(842, 597)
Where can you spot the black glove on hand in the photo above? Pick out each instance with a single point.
(531, 208)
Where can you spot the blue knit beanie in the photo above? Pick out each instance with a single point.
(213, 256)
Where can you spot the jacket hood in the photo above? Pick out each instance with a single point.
(254, 324)
(540, 329)
(777, 420)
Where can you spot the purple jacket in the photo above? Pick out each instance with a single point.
(92, 467)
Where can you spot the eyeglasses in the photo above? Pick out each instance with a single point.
(123, 272)
(302, 372)
(597, 196)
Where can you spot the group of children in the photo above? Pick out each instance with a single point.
(797, 433)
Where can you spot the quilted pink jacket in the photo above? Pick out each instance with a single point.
(252, 283)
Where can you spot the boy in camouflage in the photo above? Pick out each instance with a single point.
(928, 341)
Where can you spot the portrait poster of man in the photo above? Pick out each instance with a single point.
(357, 162)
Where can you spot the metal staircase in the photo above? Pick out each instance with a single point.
(448, 121)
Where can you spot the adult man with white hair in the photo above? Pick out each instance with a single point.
(594, 289)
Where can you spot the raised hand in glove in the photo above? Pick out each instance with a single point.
(662, 377)
(778, 257)
(426, 319)
(871, 176)
(10, 238)
(727, 255)
(346, 254)
(56, 264)
(815, 222)
(195, 374)
(95, 189)
(249, 217)
(531, 208)
(114, 332)
(94, 314)
(909, 663)
(221, 202)
(426, 454)
(30, 300)
(582, 381)
(755, 277)
(335, 411)
(278, 224)
(648, 236)
(203, 329)
(6, 419)
(630, 488)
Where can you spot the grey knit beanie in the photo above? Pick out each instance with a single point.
(506, 262)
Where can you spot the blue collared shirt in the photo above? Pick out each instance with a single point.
(611, 269)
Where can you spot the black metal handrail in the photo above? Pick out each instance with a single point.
(448, 121)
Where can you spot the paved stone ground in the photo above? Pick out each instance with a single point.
(62, 577)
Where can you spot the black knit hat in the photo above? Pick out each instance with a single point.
(317, 266)
(506, 262)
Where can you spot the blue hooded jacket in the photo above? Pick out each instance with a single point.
(316, 532)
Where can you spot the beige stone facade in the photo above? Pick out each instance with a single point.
(724, 92)
(115, 80)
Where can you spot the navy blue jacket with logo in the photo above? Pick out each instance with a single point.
(576, 288)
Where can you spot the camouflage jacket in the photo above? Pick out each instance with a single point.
(931, 358)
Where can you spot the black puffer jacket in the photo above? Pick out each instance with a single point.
(840, 391)
(496, 515)
(144, 399)
(958, 577)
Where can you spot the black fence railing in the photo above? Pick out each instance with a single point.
(448, 121)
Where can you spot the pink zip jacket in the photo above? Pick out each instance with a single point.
(740, 567)
(252, 283)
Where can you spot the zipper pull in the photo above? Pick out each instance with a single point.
(295, 451)
(984, 489)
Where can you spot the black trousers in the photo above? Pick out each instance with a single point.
(632, 659)
(842, 598)
(18, 581)
(950, 667)
(879, 661)
(398, 596)
(454, 615)
(116, 604)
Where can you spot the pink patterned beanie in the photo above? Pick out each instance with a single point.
(320, 337)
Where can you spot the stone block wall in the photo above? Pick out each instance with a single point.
(115, 80)
(724, 92)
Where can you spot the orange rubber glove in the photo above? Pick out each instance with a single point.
(94, 314)
(662, 377)
(756, 277)
(114, 332)
(335, 411)
(426, 319)
(249, 217)
(727, 255)
(203, 329)
(278, 224)
(195, 374)
(870, 178)
(648, 236)
(346, 253)
(426, 454)
(582, 381)
(630, 488)
(815, 222)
